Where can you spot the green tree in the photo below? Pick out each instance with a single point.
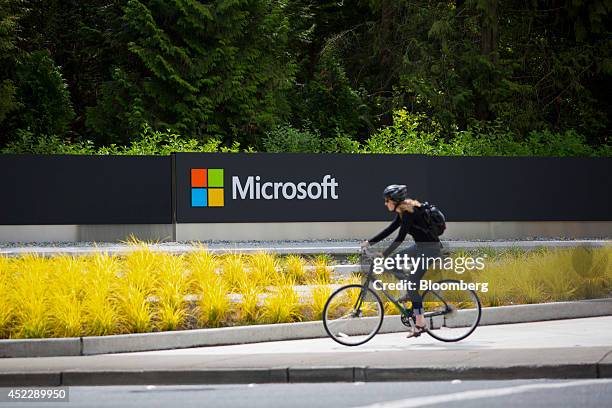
(201, 69)
(328, 102)
(43, 94)
(324, 97)
(8, 51)
(57, 56)
(82, 38)
(524, 65)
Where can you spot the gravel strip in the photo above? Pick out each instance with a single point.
(333, 247)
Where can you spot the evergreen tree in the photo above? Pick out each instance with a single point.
(200, 68)
(43, 94)
(8, 50)
(513, 64)
(34, 94)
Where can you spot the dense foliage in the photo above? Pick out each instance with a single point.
(474, 77)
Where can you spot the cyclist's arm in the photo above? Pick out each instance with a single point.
(387, 231)
(401, 235)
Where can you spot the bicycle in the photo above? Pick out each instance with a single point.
(354, 313)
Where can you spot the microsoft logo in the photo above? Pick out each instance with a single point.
(207, 188)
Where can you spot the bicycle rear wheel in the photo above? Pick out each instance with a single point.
(455, 312)
(353, 315)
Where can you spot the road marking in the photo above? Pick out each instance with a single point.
(471, 395)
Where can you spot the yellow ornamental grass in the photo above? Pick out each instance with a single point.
(512, 253)
(321, 270)
(7, 309)
(593, 265)
(351, 298)
(390, 308)
(320, 294)
(202, 266)
(66, 289)
(527, 287)
(100, 298)
(263, 269)
(346, 301)
(233, 266)
(282, 305)
(139, 278)
(141, 268)
(31, 297)
(544, 275)
(554, 269)
(250, 311)
(214, 304)
(173, 286)
(499, 285)
(606, 253)
(135, 308)
(295, 268)
(351, 278)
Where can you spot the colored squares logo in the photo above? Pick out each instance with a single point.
(207, 188)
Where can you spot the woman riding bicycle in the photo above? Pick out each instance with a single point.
(409, 219)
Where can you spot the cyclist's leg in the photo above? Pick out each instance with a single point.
(415, 295)
(424, 250)
(404, 276)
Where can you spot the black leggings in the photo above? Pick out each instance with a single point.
(417, 250)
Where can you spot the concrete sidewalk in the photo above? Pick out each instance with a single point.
(580, 348)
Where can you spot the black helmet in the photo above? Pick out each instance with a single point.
(396, 192)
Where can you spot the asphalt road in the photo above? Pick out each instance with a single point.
(448, 394)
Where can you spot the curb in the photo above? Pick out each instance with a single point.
(126, 343)
(300, 375)
(540, 312)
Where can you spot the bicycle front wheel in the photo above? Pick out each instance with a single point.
(353, 315)
(452, 313)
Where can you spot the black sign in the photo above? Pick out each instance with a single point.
(261, 187)
(67, 189)
(266, 187)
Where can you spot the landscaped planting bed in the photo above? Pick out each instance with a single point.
(145, 290)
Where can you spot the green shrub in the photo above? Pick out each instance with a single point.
(410, 133)
(26, 142)
(148, 142)
(155, 142)
(416, 134)
(406, 135)
(286, 139)
(341, 143)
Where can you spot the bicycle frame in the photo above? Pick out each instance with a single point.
(404, 311)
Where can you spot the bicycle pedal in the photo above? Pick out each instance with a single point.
(413, 334)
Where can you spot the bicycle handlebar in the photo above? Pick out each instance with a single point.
(370, 253)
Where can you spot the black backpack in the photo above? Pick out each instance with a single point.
(435, 220)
